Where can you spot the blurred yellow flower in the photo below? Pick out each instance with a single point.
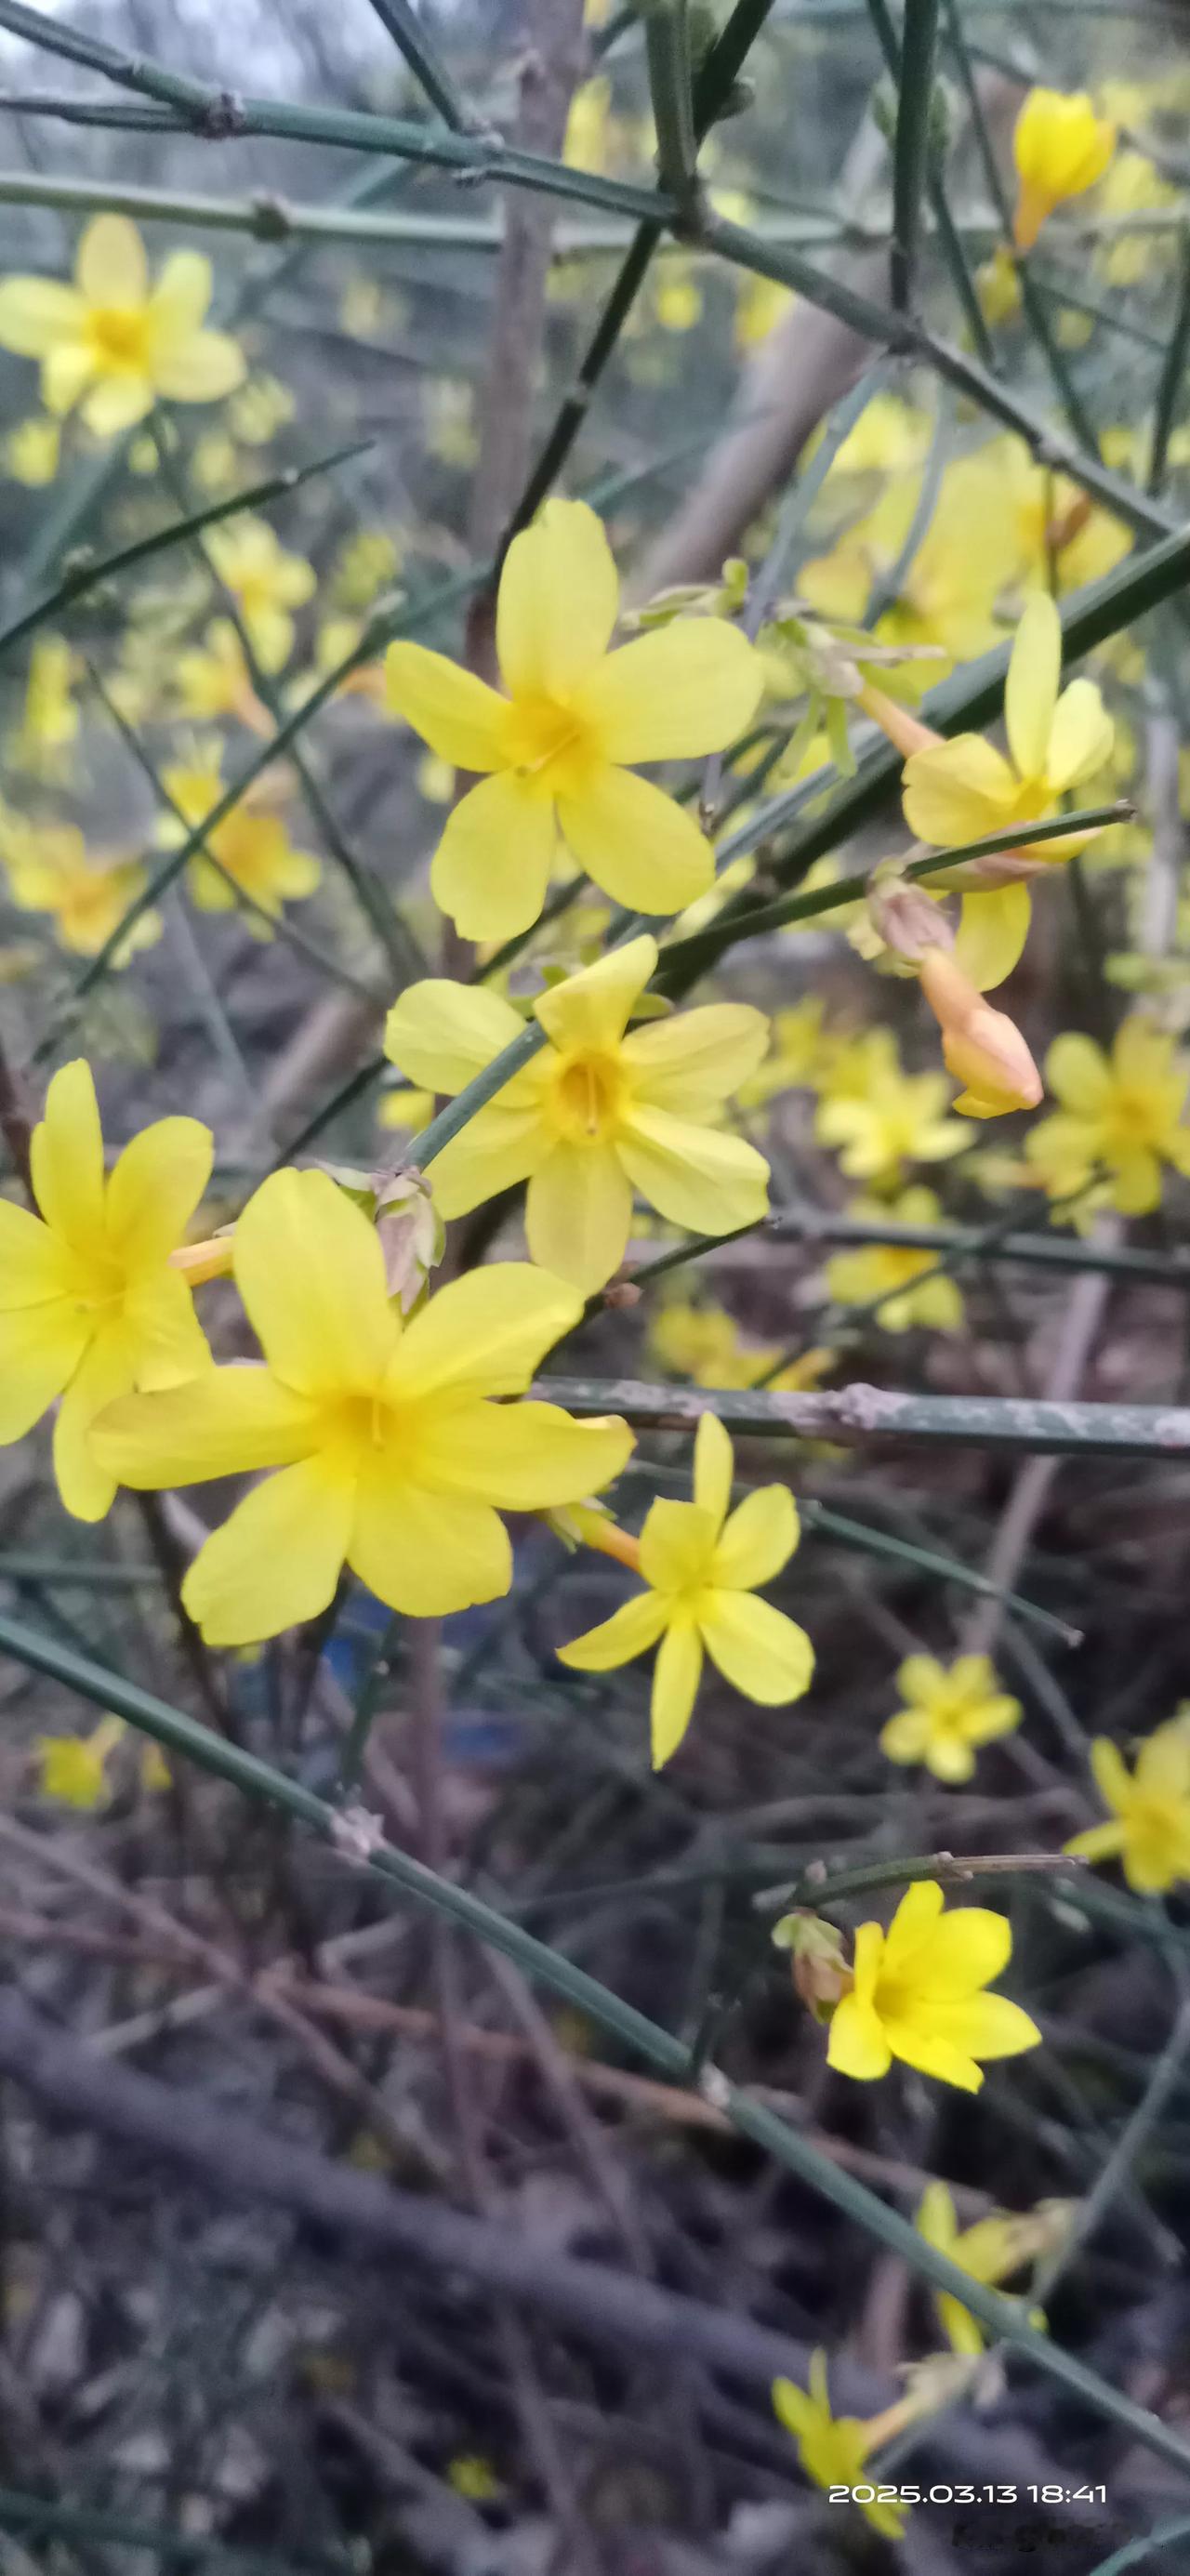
(213, 679)
(1060, 148)
(32, 451)
(50, 717)
(998, 286)
(1133, 186)
(1123, 1113)
(598, 1112)
(73, 1768)
(251, 844)
(833, 2449)
(435, 779)
(364, 566)
(901, 1119)
(111, 342)
(889, 1272)
(559, 751)
(50, 869)
(474, 2477)
(948, 1710)
(678, 298)
(267, 582)
(705, 1345)
(760, 304)
(702, 1565)
(392, 1451)
(918, 1994)
(405, 1109)
(259, 410)
(214, 462)
(586, 144)
(90, 1306)
(990, 2251)
(1150, 1809)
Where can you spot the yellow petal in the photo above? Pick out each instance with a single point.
(963, 1948)
(993, 928)
(116, 403)
(155, 1187)
(686, 689)
(35, 1267)
(919, 2044)
(1078, 1072)
(105, 1372)
(495, 1150)
(484, 1334)
(558, 601)
(591, 1010)
(442, 1034)
(426, 1553)
(794, 2408)
(936, 2219)
(676, 1676)
(987, 2026)
(757, 1649)
(522, 1457)
(1099, 1842)
(180, 299)
(201, 370)
(695, 1176)
(758, 1541)
(1082, 737)
(66, 369)
(676, 1544)
(461, 718)
(579, 1213)
(857, 2044)
(1110, 1774)
(111, 267)
(714, 1467)
(641, 848)
(691, 1062)
(168, 1345)
(66, 1155)
(40, 1349)
(311, 1274)
(223, 1424)
(36, 313)
(629, 1632)
(492, 865)
(959, 791)
(1031, 690)
(276, 1561)
(906, 1736)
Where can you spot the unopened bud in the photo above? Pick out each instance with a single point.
(905, 917)
(821, 1975)
(982, 1048)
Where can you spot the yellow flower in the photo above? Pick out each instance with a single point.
(1123, 1112)
(990, 2251)
(251, 844)
(949, 1709)
(214, 680)
(918, 1994)
(50, 720)
(802, 1053)
(982, 1048)
(73, 1767)
(760, 304)
(963, 789)
(596, 1114)
(215, 462)
(406, 1109)
(1150, 1810)
(89, 1304)
(49, 870)
(998, 286)
(260, 408)
(678, 300)
(1060, 148)
(558, 751)
(901, 1119)
(113, 343)
(1132, 186)
(32, 451)
(701, 1566)
(705, 1345)
(364, 566)
(888, 1271)
(833, 2449)
(391, 1452)
(435, 779)
(266, 581)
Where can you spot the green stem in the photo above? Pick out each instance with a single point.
(632, 2029)
(821, 1226)
(816, 1887)
(911, 145)
(409, 35)
(667, 52)
(1172, 371)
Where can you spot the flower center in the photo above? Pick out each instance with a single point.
(587, 1095)
(118, 332)
(547, 741)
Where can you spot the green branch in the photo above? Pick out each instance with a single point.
(1172, 372)
(643, 2038)
(911, 144)
(409, 35)
(860, 1413)
(821, 1226)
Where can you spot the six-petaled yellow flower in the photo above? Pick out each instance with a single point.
(991, 2251)
(90, 1306)
(901, 1119)
(964, 790)
(392, 1450)
(73, 1768)
(558, 754)
(113, 342)
(918, 1994)
(949, 1709)
(702, 1566)
(600, 1111)
(1149, 1830)
(50, 869)
(267, 582)
(1060, 148)
(1122, 1113)
(833, 2449)
(251, 844)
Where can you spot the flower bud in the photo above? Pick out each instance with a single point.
(982, 1048)
(821, 1975)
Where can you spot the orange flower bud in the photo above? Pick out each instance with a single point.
(981, 1047)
